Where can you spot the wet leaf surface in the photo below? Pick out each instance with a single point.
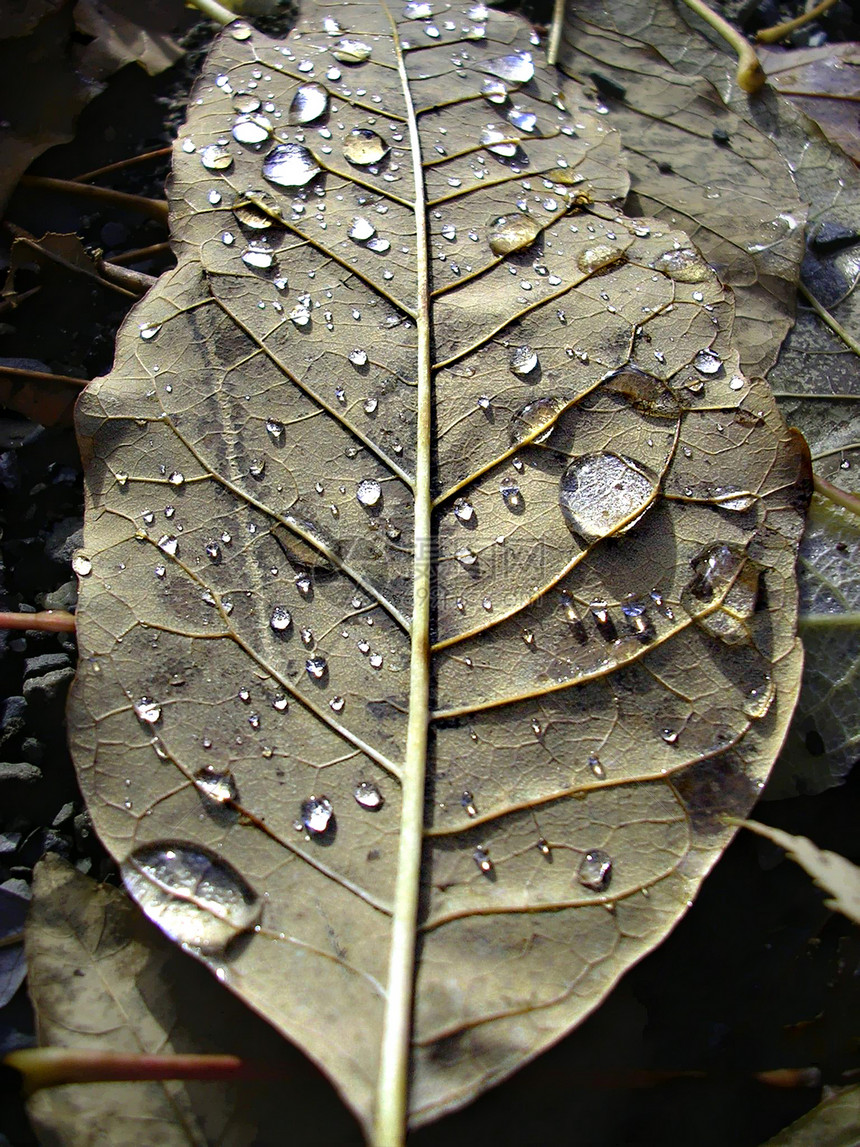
(824, 83)
(616, 509)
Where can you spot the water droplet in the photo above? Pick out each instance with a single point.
(349, 51)
(337, 704)
(280, 703)
(252, 129)
(511, 233)
(368, 492)
(468, 803)
(536, 727)
(595, 870)
(517, 68)
(643, 391)
(169, 544)
(290, 165)
(521, 119)
(466, 556)
(257, 467)
(494, 91)
(147, 711)
(497, 139)
(317, 815)
(481, 857)
(543, 846)
(684, 265)
(217, 784)
(316, 667)
(160, 572)
(246, 102)
(358, 357)
(149, 330)
(367, 795)
(523, 360)
(605, 624)
(363, 147)
(379, 247)
(636, 617)
(599, 256)
(309, 103)
(275, 428)
(731, 498)
(669, 735)
(596, 767)
(511, 495)
(81, 564)
(361, 229)
(484, 402)
(241, 30)
(706, 362)
(375, 661)
(213, 551)
(535, 421)
(176, 478)
(280, 619)
(192, 894)
(464, 511)
(602, 493)
(216, 158)
(258, 255)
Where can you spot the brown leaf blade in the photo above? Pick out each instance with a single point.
(614, 514)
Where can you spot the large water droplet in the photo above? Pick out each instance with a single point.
(466, 556)
(348, 51)
(644, 392)
(518, 68)
(498, 139)
(536, 420)
(361, 229)
(524, 120)
(246, 102)
(317, 815)
(363, 147)
(602, 493)
(706, 362)
(509, 233)
(258, 255)
(367, 794)
(368, 492)
(309, 103)
(216, 158)
(494, 91)
(81, 564)
(523, 360)
(684, 265)
(192, 894)
(290, 165)
(595, 870)
(252, 129)
(599, 256)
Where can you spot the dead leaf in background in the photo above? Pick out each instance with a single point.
(812, 359)
(833, 1123)
(830, 871)
(615, 513)
(126, 32)
(102, 979)
(807, 76)
(695, 163)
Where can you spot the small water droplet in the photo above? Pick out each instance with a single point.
(149, 330)
(517, 68)
(595, 870)
(707, 362)
(191, 893)
(317, 815)
(368, 492)
(252, 129)
(599, 256)
(217, 784)
(337, 704)
(275, 429)
(246, 102)
(375, 661)
(468, 803)
(370, 404)
(258, 255)
(81, 564)
(523, 360)
(361, 229)
(481, 857)
(213, 551)
(358, 357)
(466, 556)
(168, 544)
(596, 767)
(535, 421)
(684, 265)
(280, 619)
(216, 158)
(367, 795)
(464, 511)
(537, 729)
(176, 478)
(280, 703)
(511, 495)
(316, 667)
(147, 711)
(241, 30)
(257, 467)
(543, 847)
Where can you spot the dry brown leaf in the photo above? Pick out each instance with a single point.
(824, 83)
(608, 556)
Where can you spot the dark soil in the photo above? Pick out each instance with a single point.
(757, 955)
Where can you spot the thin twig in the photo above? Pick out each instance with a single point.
(826, 317)
(121, 164)
(750, 74)
(21, 236)
(138, 254)
(835, 494)
(47, 621)
(780, 31)
(42, 376)
(555, 32)
(154, 208)
(818, 95)
(214, 10)
(135, 281)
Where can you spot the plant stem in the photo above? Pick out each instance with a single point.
(840, 497)
(121, 164)
(52, 1066)
(750, 74)
(47, 621)
(214, 11)
(826, 317)
(392, 1096)
(42, 376)
(780, 31)
(154, 208)
(555, 32)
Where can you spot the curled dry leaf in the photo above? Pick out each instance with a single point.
(422, 439)
(694, 161)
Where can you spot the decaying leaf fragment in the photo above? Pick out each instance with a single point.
(438, 574)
